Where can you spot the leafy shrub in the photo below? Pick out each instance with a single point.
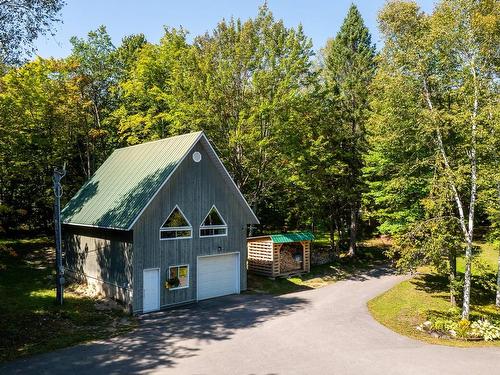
(485, 329)
(443, 325)
(463, 328)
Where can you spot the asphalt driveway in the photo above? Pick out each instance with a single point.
(321, 331)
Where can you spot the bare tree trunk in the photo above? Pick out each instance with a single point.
(88, 156)
(341, 232)
(337, 224)
(472, 203)
(251, 229)
(332, 235)
(353, 230)
(467, 280)
(469, 236)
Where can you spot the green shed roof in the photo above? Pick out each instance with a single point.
(292, 237)
(126, 182)
(287, 237)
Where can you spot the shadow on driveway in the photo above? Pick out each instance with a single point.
(377, 273)
(163, 338)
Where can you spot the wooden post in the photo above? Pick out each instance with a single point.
(276, 259)
(306, 253)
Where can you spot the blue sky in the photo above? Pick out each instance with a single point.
(321, 19)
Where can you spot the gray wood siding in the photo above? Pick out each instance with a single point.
(100, 255)
(194, 187)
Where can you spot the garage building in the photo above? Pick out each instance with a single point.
(159, 224)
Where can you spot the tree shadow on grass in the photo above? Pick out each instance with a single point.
(438, 287)
(164, 338)
(17, 251)
(44, 326)
(431, 283)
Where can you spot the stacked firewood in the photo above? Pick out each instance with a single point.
(288, 262)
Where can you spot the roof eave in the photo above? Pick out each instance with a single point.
(95, 226)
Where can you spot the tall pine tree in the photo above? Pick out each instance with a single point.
(348, 71)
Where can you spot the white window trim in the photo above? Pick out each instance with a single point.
(175, 229)
(223, 226)
(213, 227)
(188, 276)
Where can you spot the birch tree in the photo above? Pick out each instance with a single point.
(442, 55)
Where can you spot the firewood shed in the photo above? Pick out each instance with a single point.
(282, 254)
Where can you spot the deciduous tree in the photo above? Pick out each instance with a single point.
(441, 57)
(21, 22)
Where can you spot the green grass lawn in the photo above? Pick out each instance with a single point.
(411, 302)
(487, 254)
(31, 321)
(321, 239)
(370, 254)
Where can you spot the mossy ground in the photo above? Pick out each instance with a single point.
(31, 321)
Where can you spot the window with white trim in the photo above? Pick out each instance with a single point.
(213, 225)
(178, 277)
(176, 226)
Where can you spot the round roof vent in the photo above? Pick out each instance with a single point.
(196, 157)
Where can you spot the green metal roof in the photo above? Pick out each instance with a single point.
(126, 182)
(292, 237)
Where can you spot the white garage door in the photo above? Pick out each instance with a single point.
(218, 275)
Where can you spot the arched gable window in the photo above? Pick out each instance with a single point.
(176, 226)
(213, 225)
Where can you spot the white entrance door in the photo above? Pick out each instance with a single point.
(151, 290)
(218, 275)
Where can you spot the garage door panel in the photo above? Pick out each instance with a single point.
(216, 270)
(218, 263)
(224, 281)
(218, 275)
